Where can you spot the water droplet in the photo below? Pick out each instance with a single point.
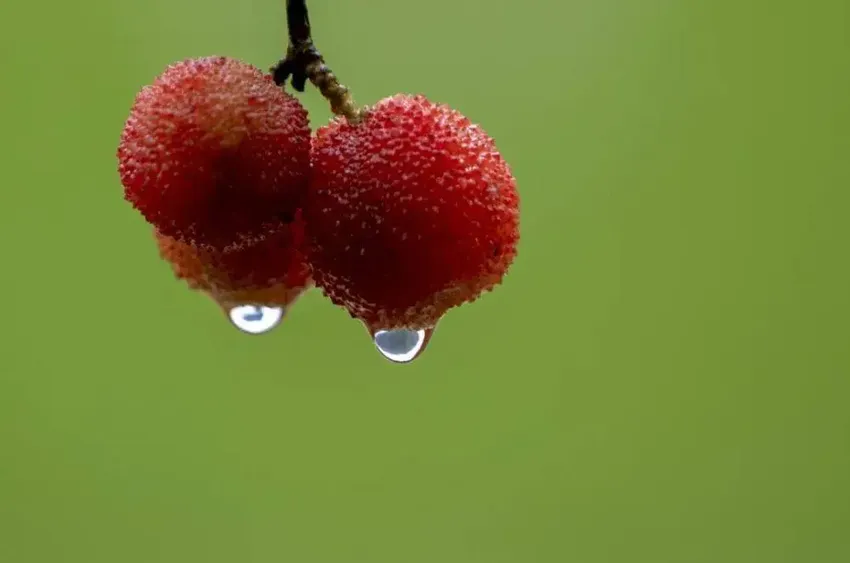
(255, 319)
(402, 346)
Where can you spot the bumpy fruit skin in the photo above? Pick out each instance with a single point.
(213, 153)
(410, 213)
(271, 272)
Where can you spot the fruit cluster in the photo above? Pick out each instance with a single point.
(397, 216)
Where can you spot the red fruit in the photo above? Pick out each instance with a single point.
(214, 153)
(271, 272)
(410, 213)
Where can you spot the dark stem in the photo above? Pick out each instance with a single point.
(304, 62)
(298, 22)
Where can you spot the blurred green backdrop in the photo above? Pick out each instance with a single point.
(663, 378)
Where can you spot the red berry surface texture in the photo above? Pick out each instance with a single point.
(272, 272)
(411, 212)
(214, 153)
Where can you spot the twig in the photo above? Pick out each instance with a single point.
(304, 62)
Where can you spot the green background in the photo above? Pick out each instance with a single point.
(663, 377)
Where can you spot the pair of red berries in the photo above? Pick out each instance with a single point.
(398, 217)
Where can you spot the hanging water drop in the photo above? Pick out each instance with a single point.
(254, 319)
(402, 346)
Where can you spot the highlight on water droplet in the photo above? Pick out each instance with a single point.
(254, 319)
(401, 346)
